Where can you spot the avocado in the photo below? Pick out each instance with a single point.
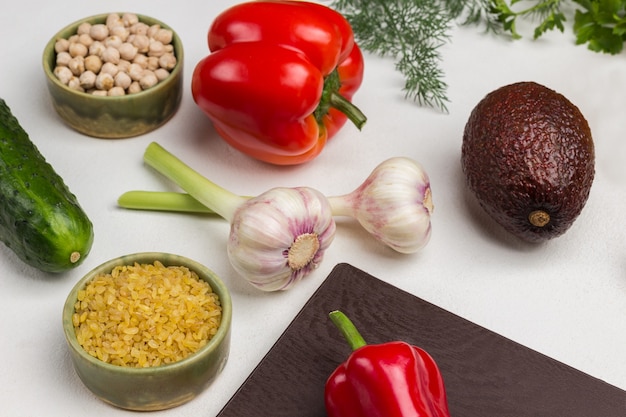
(528, 157)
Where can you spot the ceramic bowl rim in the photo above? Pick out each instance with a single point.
(219, 337)
(49, 50)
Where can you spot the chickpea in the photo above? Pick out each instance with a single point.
(97, 48)
(63, 58)
(78, 49)
(130, 19)
(61, 45)
(161, 73)
(85, 39)
(139, 28)
(104, 82)
(113, 41)
(167, 61)
(128, 51)
(134, 87)
(164, 36)
(113, 20)
(153, 30)
(83, 28)
(148, 80)
(123, 80)
(63, 74)
(119, 31)
(109, 68)
(74, 84)
(87, 80)
(101, 93)
(141, 60)
(111, 54)
(135, 71)
(93, 63)
(123, 65)
(153, 63)
(116, 91)
(156, 48)
(77, 65)
(99, 32)
(142, 42)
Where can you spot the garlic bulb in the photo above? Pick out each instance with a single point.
(279, 237)
(394, 204)
(276, 239)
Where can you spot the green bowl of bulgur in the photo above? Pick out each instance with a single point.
(148, 331)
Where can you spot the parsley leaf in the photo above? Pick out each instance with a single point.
(601, 25)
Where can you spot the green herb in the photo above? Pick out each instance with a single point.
(412, 31)
(601, 25)
(548, 12)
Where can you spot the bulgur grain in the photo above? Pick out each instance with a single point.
(146, 315)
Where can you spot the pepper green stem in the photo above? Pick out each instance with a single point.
(218, 199)
(332, 99)
(352, 112)
(347, 329)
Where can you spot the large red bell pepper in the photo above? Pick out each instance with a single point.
(279, 80)
(393, 379)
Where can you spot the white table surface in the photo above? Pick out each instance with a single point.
(565, 298)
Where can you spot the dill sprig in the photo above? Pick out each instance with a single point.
(476, 12)
(410, 31)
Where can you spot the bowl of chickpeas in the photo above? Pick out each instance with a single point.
(115, 75)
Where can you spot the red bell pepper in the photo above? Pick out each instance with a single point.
(392, 379)
(279, 80)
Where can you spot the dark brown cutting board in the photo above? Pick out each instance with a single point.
(486, 375)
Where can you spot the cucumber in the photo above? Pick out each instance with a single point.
(40, 219)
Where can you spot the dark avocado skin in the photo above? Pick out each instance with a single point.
(526, 148)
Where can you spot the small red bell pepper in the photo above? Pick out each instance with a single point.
(280, 77)
(392, 379)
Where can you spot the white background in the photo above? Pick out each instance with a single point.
(565, 298)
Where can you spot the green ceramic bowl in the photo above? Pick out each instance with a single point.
(158, 387)
(114, 117)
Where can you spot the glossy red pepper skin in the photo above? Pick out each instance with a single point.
(322, 34)
(265, 78)
(392, 379)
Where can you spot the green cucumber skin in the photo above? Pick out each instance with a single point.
(40, 219)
